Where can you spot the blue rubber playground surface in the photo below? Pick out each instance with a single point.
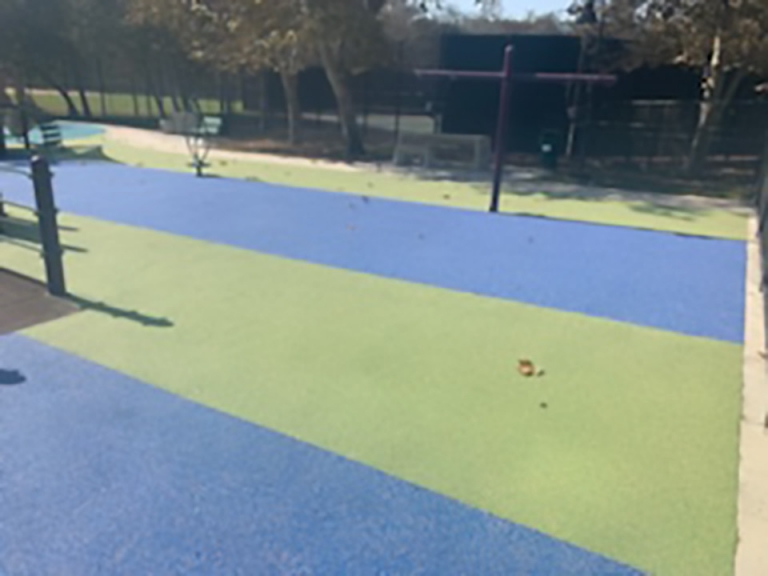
(334, 389)
(217, 482)
(618, 273)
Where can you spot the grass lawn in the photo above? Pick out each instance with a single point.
(117, 104)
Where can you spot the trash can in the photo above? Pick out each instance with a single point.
(549, 149)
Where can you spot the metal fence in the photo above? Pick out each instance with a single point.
(610, 128)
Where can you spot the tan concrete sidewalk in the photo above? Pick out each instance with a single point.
(752, 550)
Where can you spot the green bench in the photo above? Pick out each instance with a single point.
(199, 135)
(191, 123)
(51, 132)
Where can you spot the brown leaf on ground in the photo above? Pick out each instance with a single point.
(526, 368)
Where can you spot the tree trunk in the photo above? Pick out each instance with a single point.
(292, 105)
(27, 107)
(102, 88)
(152, 90)
(171, 86)
(340, 85)
(718, 90)
(220, 92)
(711, 112)
(263, 100)
(182, 89)
(134, 97)
(160, 104)
(48, 79)
(84, 104)
(71, 108)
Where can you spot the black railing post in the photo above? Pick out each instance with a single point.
(49, 229)
(501, 129)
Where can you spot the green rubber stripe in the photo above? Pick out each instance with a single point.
(656, 215)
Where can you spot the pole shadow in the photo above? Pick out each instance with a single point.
(11, 377)
(116, 312)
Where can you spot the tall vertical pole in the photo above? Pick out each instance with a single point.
(49, 230)
(399, 88)
(501, 129)
(25, 126)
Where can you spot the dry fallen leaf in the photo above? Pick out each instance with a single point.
(526, 368)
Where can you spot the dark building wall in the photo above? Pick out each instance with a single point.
(378, 90)
(471, 106)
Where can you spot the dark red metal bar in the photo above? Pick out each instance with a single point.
(507, 78)
(463, 74)
(535, 77)
(501, 129)
(552, 77)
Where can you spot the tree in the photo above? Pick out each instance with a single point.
(34, 44)
(239, 35)
(725, 40)
(418, 35)
(56, 42)
(348, 38)
(252, 35)
(164, 35)
(548, 24)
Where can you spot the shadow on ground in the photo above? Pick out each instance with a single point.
(19, 157)
(122, 313)
(683, 204)
(11, 377)
(28, 231)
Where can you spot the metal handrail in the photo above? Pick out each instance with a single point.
(20, 244)
(14, 170)
(5, 202)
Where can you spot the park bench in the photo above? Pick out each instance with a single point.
(187, 123)
(434, 149)
(198, 130)
(51, 132)
(179, 123)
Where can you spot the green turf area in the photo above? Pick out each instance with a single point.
(634, 456)
(116, 104)
(639, 214)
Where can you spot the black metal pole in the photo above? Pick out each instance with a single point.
(49, 230)
(25, 126)
(501, 129)
(399, 88)
(365, 104)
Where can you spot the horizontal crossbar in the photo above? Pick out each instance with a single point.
(17, 171)
(522, 77)
(21, 244)
(15, 205)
